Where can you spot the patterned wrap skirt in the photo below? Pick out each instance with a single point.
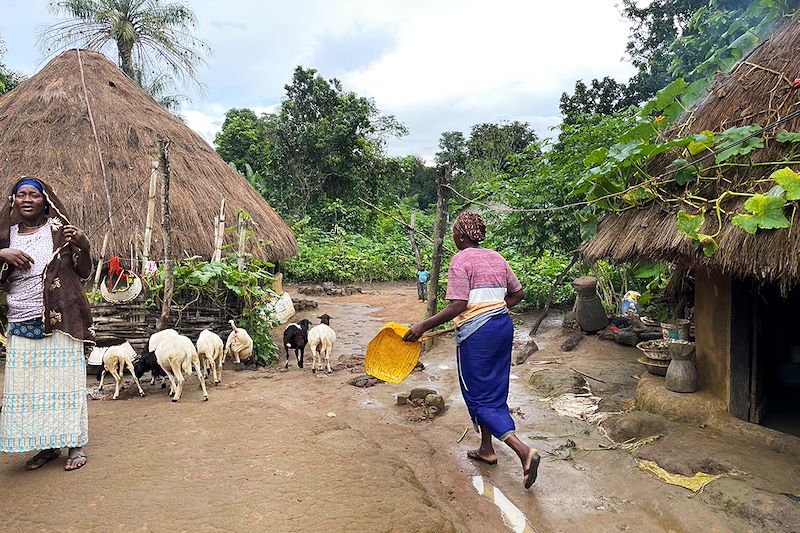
(44, 399)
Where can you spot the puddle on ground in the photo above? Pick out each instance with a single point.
(512, 516)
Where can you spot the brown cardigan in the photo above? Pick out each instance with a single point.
(66, 308)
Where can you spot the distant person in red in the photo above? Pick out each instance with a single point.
(482, 288)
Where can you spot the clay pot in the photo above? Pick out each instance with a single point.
(589, 311)
(682, 371)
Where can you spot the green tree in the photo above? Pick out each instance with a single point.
(243, 140)
(8, 78)
(146, 33)
(490, 145)
(322, 149)
(604, 97)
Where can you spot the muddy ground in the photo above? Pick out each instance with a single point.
(266, 454)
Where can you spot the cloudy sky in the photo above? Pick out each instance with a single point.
(437, 65)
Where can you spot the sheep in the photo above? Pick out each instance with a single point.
(321, 338)
(209, 350)
(147, 360)
(239, 344)
(295, 336)
(115, 359)
(176, 354)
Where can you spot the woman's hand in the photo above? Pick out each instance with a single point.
(76, 237)
(16, 258)
(415, 332)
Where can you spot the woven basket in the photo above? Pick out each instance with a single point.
(388, 357)
(655, 349)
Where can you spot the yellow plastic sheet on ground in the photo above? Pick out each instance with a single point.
(694, 483)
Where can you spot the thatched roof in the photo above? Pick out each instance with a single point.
(759, 90)
(45, 131)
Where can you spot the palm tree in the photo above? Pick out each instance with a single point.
(147, 33)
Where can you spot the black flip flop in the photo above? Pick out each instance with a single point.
(532, 471)
(40, 459)
(72, 457)
(475, 456)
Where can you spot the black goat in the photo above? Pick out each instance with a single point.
(147, 362)
(295, 336)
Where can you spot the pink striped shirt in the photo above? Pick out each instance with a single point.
(481, 277)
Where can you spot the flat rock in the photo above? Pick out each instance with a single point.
(636, 425)
(555, 382)
(435, 400)
(420, 393)
(364, 381)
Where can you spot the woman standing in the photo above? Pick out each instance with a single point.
(45, 261)
(481, 288)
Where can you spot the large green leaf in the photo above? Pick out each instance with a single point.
(700, 142)
(788, 137)
(684, 172)
(766, 212)
(733, 143)
(789, 180)
(665, 102)
(689, 225)
(708, 243)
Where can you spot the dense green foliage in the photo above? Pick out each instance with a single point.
(323, 144)
(8, 78)
(245, 295)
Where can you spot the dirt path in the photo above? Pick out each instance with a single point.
(263, 454)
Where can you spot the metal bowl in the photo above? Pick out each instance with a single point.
(655, 366)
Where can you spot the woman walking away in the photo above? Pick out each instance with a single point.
(481, 288)
(45, 261)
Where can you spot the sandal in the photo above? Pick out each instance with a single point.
(75, 460)
(532, 471)
(41, 458)
(475, 456)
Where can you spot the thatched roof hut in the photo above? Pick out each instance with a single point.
(759, 90)
(45, 130)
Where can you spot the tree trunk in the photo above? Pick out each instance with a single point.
(125, 51)
(440, 228)
(166, 222)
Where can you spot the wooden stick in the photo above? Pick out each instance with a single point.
(98, 274)
(242, 230)
(437, 333)
(166, 222)
(413, 239)
(586, 375)
(220, 232)
(151, 214)
(463, 435)
(559, 280)
(440, 228)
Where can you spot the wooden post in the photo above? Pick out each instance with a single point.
(99, 271)
(219, 233)
(439, 230)
(166, 223)
(413, 239)
(241, 229)
(151, 213)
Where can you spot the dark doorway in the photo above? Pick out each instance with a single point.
(765, 356)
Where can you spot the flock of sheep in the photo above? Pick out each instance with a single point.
(171, 355)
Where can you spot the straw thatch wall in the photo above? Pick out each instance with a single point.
(759, 90)
(45, 131)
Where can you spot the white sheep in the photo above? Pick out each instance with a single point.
(239, 344)
(321, 339)
(177, 354)
(115, 360)
(209, 350)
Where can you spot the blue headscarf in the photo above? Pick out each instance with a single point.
(28, 181)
